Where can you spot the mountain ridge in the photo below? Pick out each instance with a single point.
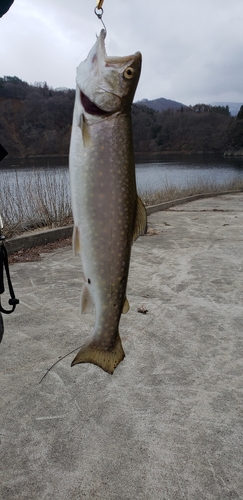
(161, 104)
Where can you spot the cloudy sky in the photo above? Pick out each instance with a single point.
(192, 49)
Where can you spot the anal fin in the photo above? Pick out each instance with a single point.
(86, 303)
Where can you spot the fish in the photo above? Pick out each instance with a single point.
(108, 214)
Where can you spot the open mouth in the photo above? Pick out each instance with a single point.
(90, 107)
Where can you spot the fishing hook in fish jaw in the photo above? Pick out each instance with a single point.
(99, 13)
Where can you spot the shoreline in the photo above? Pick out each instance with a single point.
(136, 154)
(238, 153)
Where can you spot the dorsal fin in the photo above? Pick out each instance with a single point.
(140, 226)
(126, 306)
(76, 241)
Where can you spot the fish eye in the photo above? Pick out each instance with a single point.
(129, 73)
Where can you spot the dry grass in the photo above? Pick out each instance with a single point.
(43, 199)
(169, 193)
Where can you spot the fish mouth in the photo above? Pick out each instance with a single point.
(100, 80)
(112, 60)
(90, 107)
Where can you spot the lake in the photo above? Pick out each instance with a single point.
(179, 171)
(152, 172)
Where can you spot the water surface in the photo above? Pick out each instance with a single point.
(152, 172)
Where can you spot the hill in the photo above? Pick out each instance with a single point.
(234, 107)
(201, 129)
(35, 120)
(160, 104)
(163, 104)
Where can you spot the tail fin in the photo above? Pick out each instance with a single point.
(107, 360)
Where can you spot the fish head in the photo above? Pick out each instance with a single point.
(107, 84)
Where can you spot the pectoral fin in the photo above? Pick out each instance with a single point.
(85, 130)
(140, 221)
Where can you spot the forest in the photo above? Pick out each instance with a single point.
(36, 119)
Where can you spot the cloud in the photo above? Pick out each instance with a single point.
(192, 50)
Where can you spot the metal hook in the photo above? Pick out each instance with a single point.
(100, 14)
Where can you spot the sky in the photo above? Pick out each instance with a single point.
(192, 49)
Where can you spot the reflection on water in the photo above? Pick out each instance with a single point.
(152, 172)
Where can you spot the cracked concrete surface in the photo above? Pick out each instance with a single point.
(168, 424)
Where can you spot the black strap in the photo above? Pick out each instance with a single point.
(4, 263)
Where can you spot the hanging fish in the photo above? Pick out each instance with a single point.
(108, 214)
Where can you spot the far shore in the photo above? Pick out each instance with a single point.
(238, 152)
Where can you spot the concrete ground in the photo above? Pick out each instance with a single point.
(168, 424)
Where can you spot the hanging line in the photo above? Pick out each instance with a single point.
(99, 12)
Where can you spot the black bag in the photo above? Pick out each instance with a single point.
(13, 301)
(5, 5)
